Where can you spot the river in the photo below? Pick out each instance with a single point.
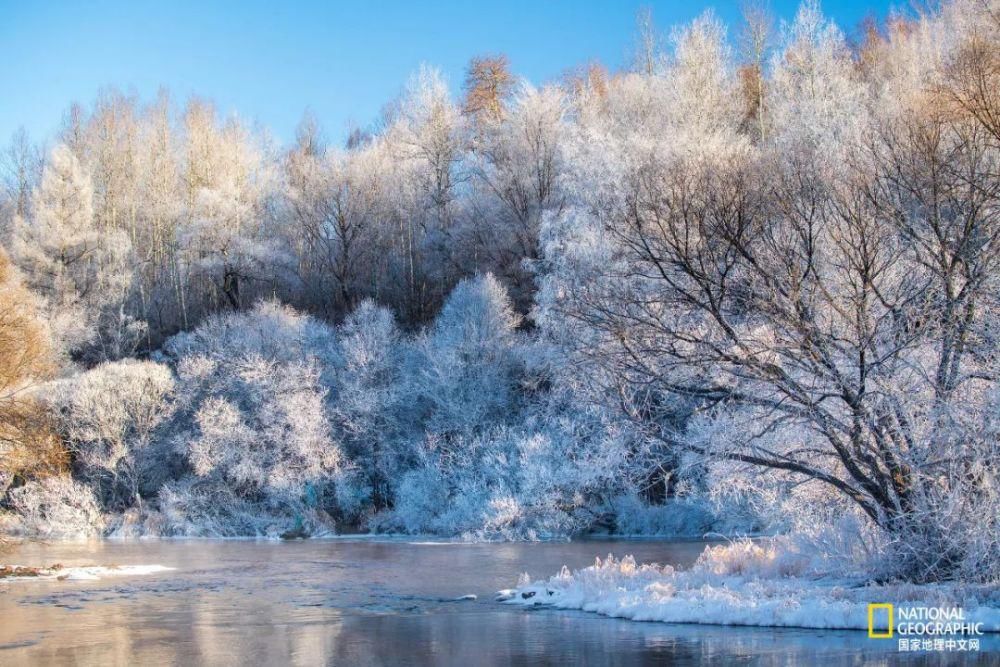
(361, 602)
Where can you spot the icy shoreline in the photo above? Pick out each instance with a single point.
(749, 590)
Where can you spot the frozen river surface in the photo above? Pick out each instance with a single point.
(364, 602)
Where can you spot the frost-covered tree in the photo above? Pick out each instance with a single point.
(20, 171)
(81, 272)
(367, 402)
(816, 100)
(826, 297)
(488, 85)
(334, 201)
(425, 141)
(517, 162)
(468, 361)
(227, 183)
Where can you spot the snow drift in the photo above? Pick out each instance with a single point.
(85, 573)
(743, 583)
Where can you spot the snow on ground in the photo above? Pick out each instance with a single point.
(88, 573)
(743, 583)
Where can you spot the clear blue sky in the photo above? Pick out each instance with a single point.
(270, 61)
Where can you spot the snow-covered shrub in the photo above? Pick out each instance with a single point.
(205, 508)
(814, 518)
(28, 445)
(142, 521)
(468, 486)
(268, 330)
(511, 482)
(950, 530)
(676, 517)
(953, 529)
(462, 464)
(352, 491)
(108, 416)
(253, 422)
(545, 465)
(56, 507)
(767, 558)
(274, 436)
(422, 494)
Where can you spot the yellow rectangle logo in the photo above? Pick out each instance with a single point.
(872, 634)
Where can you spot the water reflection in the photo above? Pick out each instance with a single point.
(364, 603)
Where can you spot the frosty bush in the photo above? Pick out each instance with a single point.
(422, 494)
(766, 558)
(28, 445)
(681, 517)
(56, 507)
(109, 416)
(205, 508)
(508, 483)
(268, 330)
(253, 421)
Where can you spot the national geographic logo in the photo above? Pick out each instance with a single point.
(877, 629)
(924, 628)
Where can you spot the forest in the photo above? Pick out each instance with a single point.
(748, 285)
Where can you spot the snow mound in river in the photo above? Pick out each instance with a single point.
(87, 573)
(740, 584)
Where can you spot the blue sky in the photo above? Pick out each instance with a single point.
(270, 61)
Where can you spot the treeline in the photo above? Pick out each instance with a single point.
(750, 282)
(145, 218)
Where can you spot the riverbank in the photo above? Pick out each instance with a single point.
(748, 584)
